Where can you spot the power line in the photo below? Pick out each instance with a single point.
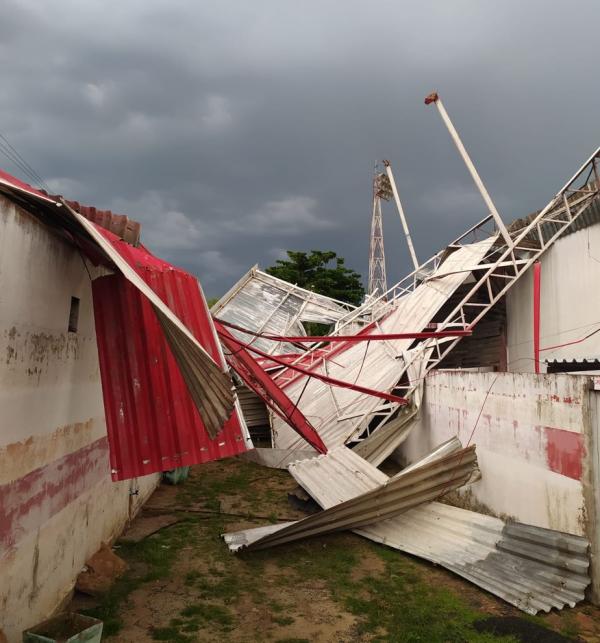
(13, 155)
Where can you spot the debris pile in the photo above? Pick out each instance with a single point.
(359, 389)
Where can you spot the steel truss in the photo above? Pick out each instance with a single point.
(497, 272)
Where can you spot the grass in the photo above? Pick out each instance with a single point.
(393, 600)
(148, 561)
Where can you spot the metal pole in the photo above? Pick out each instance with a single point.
(537, 275)
(434, 98)
(411, 249)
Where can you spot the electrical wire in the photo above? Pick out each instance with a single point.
(13, 155)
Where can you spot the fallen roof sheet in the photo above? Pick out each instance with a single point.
(387, 499)
(209, 384)
(262, 303)
(152, 422)
(339, 415)
(532, 568)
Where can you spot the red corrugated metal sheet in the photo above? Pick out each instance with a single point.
(153, 424)
(259, 381)
(119, 224)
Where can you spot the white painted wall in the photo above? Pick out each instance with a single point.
(570, 306)
(57, 501)
(523, 423)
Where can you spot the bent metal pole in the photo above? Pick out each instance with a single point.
(434, 98)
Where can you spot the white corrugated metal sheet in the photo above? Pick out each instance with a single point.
(391, 498)
(340, 415)
(265, 304)
(532, 568)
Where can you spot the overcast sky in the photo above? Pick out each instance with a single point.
(236, 130)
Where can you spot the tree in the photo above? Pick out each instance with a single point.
(315, 272)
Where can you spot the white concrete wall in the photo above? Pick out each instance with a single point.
(532, 439)
(57, 501)
(569, 305)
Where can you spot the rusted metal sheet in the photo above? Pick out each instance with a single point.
(395, 496)
(153, 423)
(262, 303)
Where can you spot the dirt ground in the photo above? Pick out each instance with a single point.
(182, 583)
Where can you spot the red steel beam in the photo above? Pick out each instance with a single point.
(319, 376)
(259, 381)
(309, 339)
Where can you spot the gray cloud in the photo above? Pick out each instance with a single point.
(236, 130)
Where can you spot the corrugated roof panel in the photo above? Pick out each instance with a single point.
(263, 303)
(152, 421)
(119, 224)
(383, 500)
(209, 384)
(532, 568)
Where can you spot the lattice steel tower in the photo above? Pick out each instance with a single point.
(377, 278)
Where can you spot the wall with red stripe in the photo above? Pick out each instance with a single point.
(57, 500)
(532, 434)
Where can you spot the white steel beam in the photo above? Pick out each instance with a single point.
(434, 98)
(411, 248)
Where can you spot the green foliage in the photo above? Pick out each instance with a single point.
(211, 301)
(321, 271)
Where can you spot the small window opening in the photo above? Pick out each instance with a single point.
(74, 315)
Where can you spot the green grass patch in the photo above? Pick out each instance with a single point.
(283, 620)
(148, 560)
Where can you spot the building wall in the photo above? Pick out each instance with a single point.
(532, 434)
(570, 308)
(57, 501)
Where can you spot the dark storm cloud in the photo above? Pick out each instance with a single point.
(235, 130)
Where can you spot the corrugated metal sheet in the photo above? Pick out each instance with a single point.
(392, 497)
(209, 384)
(152, 421)
(119, 224)
(277, 458)
(530, 567)
(341, 415)
(589, 217)
(253, 408)
(263, 303)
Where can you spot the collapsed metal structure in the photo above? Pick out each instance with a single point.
(386, 347)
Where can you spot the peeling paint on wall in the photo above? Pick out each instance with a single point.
(529, 431)
(28, 502)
